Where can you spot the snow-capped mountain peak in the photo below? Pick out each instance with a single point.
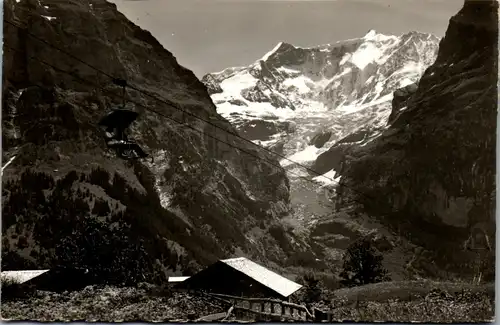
(279, 47)
(371, 33)
(292, 93)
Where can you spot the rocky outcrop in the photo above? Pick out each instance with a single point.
(212, 86)
(331, 159)
(197, 200)
(431, 175)
(261, 130)
(400, 100)
(320, 139)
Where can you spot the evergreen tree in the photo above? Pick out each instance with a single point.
(362, 265)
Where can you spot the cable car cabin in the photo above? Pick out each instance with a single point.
(119, 118)
(115, 124)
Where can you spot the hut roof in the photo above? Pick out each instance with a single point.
(177, 278)
(21, 276)
(270, 279)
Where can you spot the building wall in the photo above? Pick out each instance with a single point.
(61, 279)
(223, 279)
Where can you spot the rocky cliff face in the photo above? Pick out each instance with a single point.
(197, 200)
(431, 175)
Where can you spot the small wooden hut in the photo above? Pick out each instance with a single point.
(241, 277)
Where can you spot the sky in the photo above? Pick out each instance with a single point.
(211, 35)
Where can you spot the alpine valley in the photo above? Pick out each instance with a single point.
(363, 137)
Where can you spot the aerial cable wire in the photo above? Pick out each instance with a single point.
(165, 116)
(173, 105)
(124, 84)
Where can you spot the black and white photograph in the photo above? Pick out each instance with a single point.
(236, 161)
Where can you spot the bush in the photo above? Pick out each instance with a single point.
(279, 234)
(113, 256)
(362, 265)
(12, 289)
(329, 281)
(312, 291)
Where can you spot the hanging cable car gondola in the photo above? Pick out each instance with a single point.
(115, 124)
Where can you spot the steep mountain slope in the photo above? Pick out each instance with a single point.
(197, 200)
(431, 175)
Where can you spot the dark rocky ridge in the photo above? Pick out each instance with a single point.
(200, 199)
(400, 100)
(431, 175)
(320, 139)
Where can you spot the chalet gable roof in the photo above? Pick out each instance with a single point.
(22, 276)
(270, 279)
